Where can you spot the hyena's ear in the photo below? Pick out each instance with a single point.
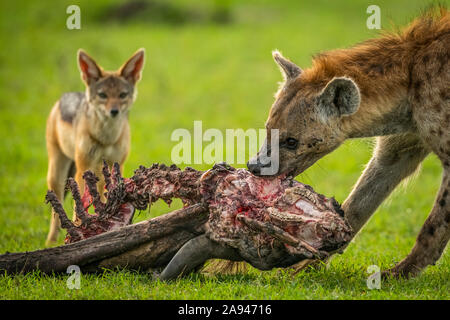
(339, 98)
(90, 71)
(132, 69)
(289, 69)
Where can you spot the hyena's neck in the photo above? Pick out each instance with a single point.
(383, 68)
(379, 118)
(380, 68)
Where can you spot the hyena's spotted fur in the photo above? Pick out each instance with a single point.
(395, 88)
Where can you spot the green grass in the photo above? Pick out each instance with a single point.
(222, 74)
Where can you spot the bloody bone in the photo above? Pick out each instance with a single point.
(274, 222)
(123, 196)
(125, 247)
(228, 214)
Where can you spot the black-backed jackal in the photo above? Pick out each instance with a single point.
(83, 129)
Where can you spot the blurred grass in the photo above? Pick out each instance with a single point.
(222, 74)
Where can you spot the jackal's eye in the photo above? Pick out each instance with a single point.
(291, 143)
(102, 95)
(123, 95)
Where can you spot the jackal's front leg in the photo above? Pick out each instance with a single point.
(433, 236)
(395, 157)
(58, 169)
(83, 164)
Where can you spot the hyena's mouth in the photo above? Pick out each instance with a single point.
(302, 164)
(289, 172)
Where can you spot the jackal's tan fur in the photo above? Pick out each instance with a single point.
(84, 129)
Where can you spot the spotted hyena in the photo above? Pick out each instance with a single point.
(395, 88)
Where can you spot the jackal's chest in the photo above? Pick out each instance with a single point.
(109, 153)
(110, 144)
(96, 152)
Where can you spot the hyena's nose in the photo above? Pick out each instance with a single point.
(254, 168)
(114, 112)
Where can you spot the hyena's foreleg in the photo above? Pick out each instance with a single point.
(395, 158)
(432, 238)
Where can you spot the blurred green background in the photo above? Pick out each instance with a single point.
(209, 61)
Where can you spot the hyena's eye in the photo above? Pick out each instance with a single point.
(102, 95)
(123, 95)
(291, 143)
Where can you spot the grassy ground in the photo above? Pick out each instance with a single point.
(223, 74)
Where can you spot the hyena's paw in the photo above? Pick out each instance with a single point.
(403, 269)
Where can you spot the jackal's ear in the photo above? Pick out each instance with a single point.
(339, 98)
(289, 69)
(132, 69)
(89, 69)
